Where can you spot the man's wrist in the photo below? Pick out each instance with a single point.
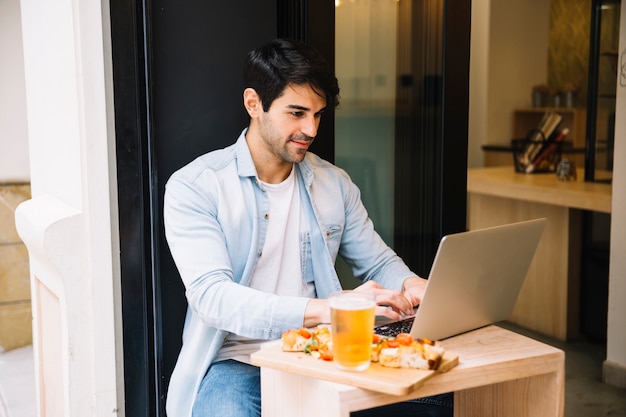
(317, 312)
(413, 282)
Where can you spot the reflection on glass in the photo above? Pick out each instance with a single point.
(364, 123)
(388, 128)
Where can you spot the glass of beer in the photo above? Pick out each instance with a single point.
(352, 328)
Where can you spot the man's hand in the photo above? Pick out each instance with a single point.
(390, 303)
(413, 289)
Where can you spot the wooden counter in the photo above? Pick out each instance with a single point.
(540, 188)
(549, 300)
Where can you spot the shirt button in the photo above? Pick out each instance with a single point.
(266, 216)
(260, 253)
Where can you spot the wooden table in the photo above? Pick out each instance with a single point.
(500, 373)
(549, 299)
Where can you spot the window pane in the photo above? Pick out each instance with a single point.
(365, 122)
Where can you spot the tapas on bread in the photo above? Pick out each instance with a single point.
(402, 351)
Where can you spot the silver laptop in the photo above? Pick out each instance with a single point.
(474, 281)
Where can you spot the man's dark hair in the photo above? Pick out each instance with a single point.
(272, 67)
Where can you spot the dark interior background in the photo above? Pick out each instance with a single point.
(197, 50)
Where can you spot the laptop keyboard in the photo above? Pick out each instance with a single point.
(394, 328)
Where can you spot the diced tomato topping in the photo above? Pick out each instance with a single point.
(327, 356)
(392, 343)
(404, 339)
(304, 332)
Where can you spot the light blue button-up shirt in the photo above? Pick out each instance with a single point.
(215, 215)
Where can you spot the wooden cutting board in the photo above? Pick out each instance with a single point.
(395, 381)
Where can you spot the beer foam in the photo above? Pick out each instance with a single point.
(349, 303)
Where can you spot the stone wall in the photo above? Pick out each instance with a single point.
(15, 295)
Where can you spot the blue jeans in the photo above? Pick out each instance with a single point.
(233, 389)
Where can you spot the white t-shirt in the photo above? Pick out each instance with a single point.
(278, 271)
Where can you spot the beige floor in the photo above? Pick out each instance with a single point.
(586, 395)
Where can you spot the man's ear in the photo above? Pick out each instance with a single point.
(252, 102)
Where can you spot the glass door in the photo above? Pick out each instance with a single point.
(405, 150)
(366, 66)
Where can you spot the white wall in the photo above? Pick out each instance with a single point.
(615, 364)
(479, 77)
(70, 224)
(14, 162)
(509, 55)
(518, 60)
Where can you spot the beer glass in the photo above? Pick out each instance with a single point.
(352, 328)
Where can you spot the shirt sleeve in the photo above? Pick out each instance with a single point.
(196, 221)
(363, 248)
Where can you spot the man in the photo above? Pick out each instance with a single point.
(255, 230)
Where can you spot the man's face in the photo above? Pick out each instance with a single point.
(290, 125)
